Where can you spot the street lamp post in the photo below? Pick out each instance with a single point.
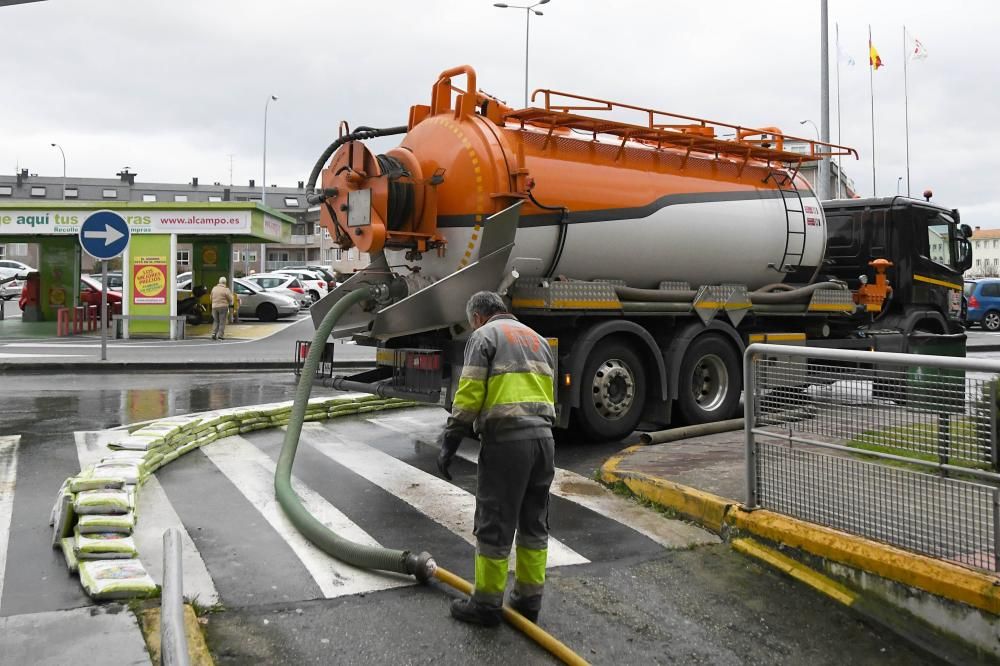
(56, 145)
(898, 182)
(528, 11)
(816, 129)
(263, 182)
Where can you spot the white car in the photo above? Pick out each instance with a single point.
(10, 268)
(283, 283)
(314, 282)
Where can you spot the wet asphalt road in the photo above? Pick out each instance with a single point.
(706, 604)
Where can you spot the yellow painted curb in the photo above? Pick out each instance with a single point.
(198, 654)
(943, 579)
(704, 508)
(796, 570)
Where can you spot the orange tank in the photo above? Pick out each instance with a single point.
(656, 197)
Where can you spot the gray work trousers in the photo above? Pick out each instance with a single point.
(219, 317)
(512, 496)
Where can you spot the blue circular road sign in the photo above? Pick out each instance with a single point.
(104, 234)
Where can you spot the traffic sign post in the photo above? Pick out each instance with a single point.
(104, 235)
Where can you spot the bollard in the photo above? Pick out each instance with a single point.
(173, 642)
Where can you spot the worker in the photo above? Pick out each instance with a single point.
(506, 394)
(222, 300)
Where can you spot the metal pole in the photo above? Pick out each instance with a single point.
(996, 529)
(263, 184)
(173, 643)
(61, 152)
(871, 95)
(840, 172)
(749, 407)
(823, 171)
(104, 310)
(527, 35)
(906, 113)
(991, 397)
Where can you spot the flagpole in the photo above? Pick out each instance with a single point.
(906, 112)
(871, 95)
(840, 174)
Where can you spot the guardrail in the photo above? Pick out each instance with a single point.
(900, 448)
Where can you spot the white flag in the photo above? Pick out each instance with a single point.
(917, 50)
(844, 57)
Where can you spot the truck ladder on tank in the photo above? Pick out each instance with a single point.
(795, 222)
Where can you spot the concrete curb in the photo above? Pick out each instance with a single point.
(942, 579)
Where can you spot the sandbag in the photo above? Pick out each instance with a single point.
(116, 579)
(104, 546)
(97, 523)
(89, 480)
(112, 502)
(69, 555)
(64, 518)
(130, 472)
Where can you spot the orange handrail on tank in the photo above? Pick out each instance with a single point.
(441, 93)
(662, 129)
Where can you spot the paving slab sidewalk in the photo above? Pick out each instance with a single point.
(107, 634)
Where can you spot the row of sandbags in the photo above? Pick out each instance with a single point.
(95, 513)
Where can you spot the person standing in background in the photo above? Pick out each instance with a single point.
(222, 300)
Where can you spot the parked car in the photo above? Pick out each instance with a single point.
(983, 297)
(314, 283)
(9, 267)
(90, 293)
(10, 286)
(326, 273)
(255, 301)
(282, 283)
(184, 277)
(115, 280)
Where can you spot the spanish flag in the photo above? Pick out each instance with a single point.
(874, 59)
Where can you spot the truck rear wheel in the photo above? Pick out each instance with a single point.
(612, 392)
(709, 383)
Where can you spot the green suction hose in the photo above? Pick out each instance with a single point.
(359, 555)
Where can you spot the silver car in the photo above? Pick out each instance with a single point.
(264, 305)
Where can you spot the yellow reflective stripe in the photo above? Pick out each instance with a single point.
(491, 574)
(514, 387)
(940, 283)
(530, 566)
(470, 395)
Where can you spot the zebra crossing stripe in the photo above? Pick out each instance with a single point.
(251, 471)
(587, 493)
(156, 515)
(8, 480)
(439, 500)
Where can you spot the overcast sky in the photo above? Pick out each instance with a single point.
(172, 89)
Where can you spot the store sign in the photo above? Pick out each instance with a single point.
(149, 280)
(28, 222)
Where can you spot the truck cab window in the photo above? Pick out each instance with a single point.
(939, 243)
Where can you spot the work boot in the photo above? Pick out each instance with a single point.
(473, 612)
(213, 336)
(526, 606)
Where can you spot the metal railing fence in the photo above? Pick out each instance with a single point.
(900, 448)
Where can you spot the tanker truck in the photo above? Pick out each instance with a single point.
(649, 247)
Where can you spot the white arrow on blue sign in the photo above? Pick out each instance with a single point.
(104, 234)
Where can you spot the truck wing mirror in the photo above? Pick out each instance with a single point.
(966, 231)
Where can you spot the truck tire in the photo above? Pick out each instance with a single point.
(267, 312)
(709, 383)
(612, 391)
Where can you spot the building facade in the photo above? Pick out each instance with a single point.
(985, 253)
(310, 243)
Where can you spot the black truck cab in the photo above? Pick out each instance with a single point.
(927, 245)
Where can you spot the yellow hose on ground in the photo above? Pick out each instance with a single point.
(553, 645)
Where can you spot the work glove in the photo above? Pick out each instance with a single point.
(449, 445)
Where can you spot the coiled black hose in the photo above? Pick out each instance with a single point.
(359, 134)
